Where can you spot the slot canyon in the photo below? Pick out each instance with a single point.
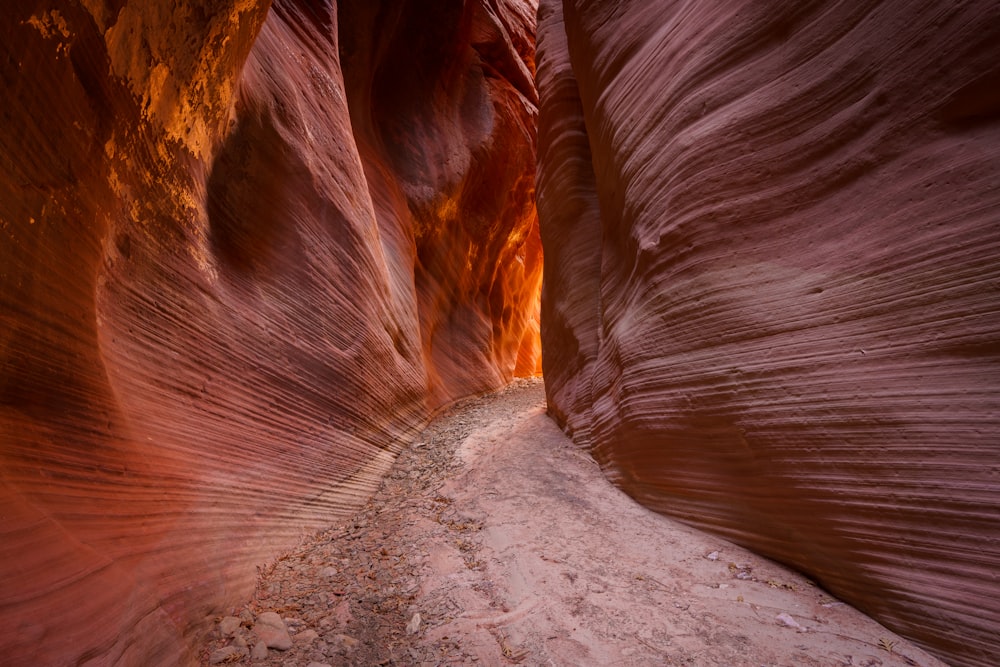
(248, 248)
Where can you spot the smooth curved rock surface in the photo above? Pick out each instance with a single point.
(227, 297)
(443, 107)
(772, 291)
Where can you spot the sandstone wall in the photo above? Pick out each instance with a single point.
(228, 296)
(772, 288)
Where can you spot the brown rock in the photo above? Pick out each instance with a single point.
(772, 250)
(342, 643)
(241, 262)
(306, 637)
(271, 631)
(226, 654)
(342, 613)
(228, 626)
(258, 652)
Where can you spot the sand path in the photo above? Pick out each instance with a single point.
(495, 541)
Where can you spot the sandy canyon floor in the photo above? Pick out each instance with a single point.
(494, 540)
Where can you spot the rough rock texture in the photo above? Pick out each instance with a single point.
(772, 291)
(451, 562)
(223, 307)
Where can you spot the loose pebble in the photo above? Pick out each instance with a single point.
(258, 652)
(225, 654)
(413, 627)
(271, 630)
(228, 626)
(306, 637)
(786, 619)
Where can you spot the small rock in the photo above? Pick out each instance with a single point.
(413, 627)
(328, 572)
(271, 630)
(228, 626)
(342, 613)
(225, 654)
(239, 641)
(713, 556)
(342, 643)
(306, 636)
(319, 664)
(259, 652)
(787, 620)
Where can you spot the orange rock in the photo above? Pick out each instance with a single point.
(243, 255)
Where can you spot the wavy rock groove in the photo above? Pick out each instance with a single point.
(245, 249)
(772, 236)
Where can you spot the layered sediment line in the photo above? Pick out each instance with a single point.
(228, 297)
(771, 305)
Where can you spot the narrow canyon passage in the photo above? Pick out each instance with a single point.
(494, 540)
(249, 247)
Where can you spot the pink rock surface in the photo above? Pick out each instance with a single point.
(771, 307)
(226, 301)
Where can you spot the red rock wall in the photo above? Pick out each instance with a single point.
(772, 290)
(443, 107)
(227, 296)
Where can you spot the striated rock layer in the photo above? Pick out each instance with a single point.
(772, 290)
(244, 251)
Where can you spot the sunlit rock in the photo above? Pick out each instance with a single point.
(228, 296)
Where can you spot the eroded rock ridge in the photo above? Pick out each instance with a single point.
(772, 237)
(245, 249)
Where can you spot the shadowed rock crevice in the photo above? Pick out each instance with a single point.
(448, 151)
(249, 200)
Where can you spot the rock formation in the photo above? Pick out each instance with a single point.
(772, 284)
(244, 251)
